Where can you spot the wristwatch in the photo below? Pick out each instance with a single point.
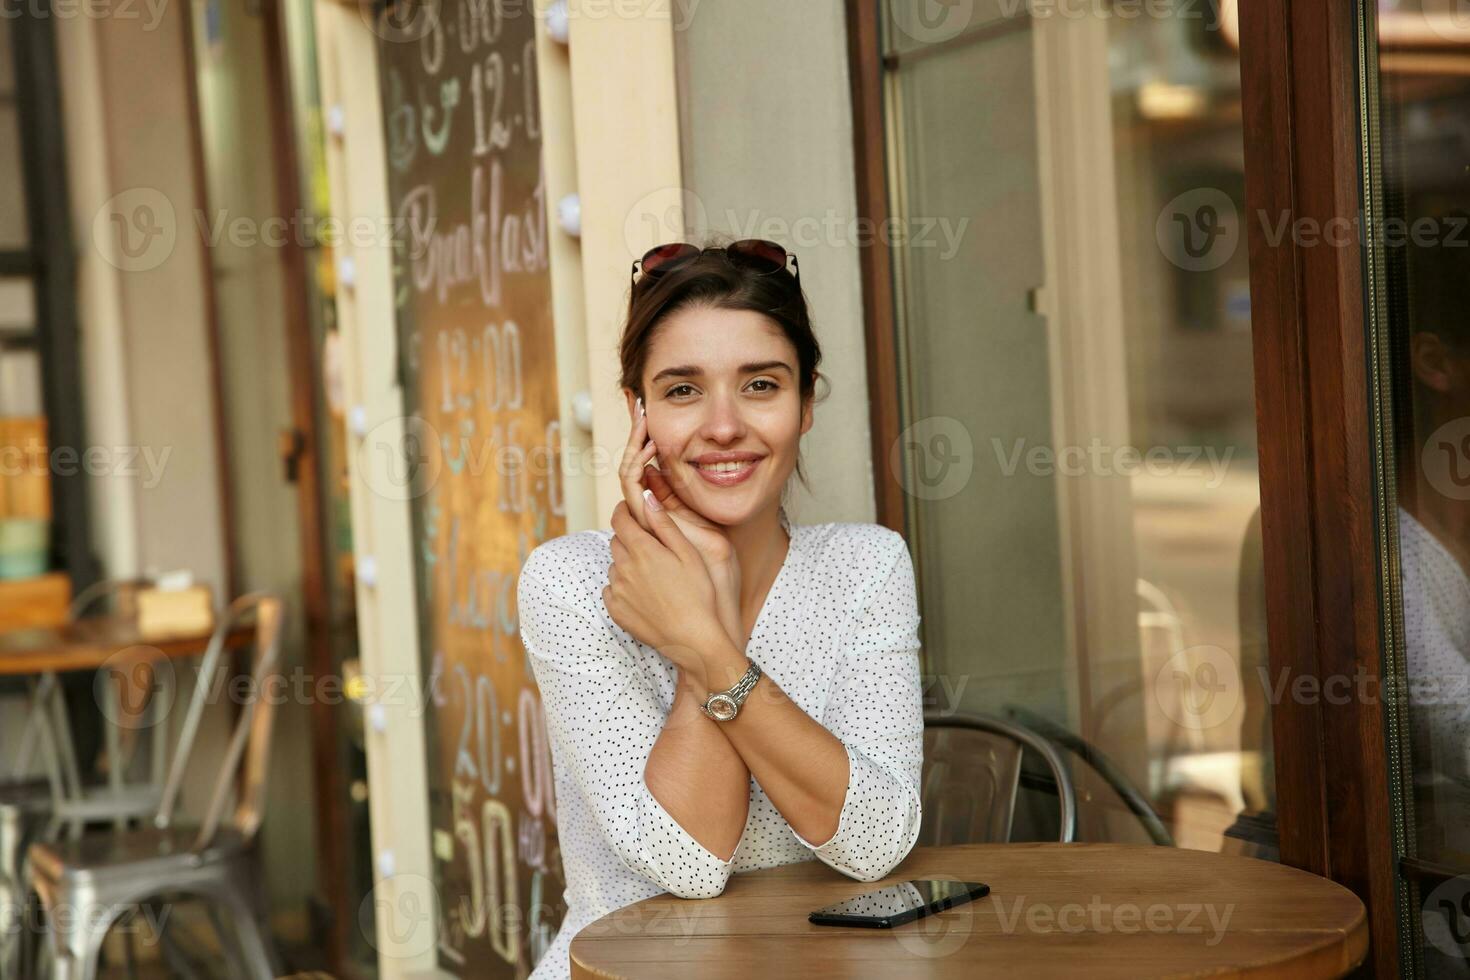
(725, 705)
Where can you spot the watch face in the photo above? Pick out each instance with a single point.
(723, 707)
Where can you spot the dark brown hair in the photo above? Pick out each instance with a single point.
(712, 282)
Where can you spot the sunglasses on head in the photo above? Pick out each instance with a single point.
(758, 255)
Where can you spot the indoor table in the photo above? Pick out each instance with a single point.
(1094, 910)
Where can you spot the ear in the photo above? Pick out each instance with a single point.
(807, 413)
(1432, 362)
(631, 397)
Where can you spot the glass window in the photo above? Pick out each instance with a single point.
(1422, 255)
(1079, 442)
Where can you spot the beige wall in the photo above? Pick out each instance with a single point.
(765, 120)
(145, 354)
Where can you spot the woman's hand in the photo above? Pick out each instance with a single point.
(659, 590)
(635, 476)
(708, 538)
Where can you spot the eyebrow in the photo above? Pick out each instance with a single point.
(694, 371)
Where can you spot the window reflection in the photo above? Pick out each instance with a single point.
(1096, 575)
(1424, 112)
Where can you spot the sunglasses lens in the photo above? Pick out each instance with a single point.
(663, 258)
(757, 253)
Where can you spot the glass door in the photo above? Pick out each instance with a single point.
(1078, 448)
(1417, 187)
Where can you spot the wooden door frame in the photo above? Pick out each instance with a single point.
(1321, 507)
(329, 785)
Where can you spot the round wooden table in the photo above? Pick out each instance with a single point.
(1094, 910)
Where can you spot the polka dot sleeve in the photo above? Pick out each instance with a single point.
(603, 714)
(876, 710)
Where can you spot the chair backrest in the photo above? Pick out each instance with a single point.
(246, 763)
(972, 776)
(1111, 773)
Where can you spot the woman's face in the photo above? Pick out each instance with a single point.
(722, 385)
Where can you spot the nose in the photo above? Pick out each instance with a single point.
(722, 423)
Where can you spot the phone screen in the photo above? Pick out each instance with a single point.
(900, 903)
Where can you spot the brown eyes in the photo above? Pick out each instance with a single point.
(770, 385)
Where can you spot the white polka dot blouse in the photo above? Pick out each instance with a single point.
(839, 634)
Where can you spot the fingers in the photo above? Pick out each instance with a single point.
(662, 489)
(623, 523)
(636, 456)
(661, 523)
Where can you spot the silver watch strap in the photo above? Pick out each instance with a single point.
(742, 687)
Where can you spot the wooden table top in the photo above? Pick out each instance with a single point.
(89, 643)
(1095, 910)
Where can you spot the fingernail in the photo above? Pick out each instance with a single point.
(651, 500)
(641, 412)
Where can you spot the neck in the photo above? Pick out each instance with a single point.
(760, 547)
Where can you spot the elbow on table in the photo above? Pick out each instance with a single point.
(873, 870)
(712, 888)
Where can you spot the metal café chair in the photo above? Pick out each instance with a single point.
(972, 777)
(33, 808)
(86, 884)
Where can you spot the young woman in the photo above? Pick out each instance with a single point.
(724, 690)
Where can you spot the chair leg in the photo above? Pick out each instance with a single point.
(254, 942)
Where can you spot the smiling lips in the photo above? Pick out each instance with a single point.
(726, 469)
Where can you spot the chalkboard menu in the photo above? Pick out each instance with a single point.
(478, 366)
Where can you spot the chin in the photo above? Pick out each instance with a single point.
(729, 508)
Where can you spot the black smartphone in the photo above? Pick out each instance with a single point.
(900, 903)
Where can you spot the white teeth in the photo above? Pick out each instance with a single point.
(726, 467)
